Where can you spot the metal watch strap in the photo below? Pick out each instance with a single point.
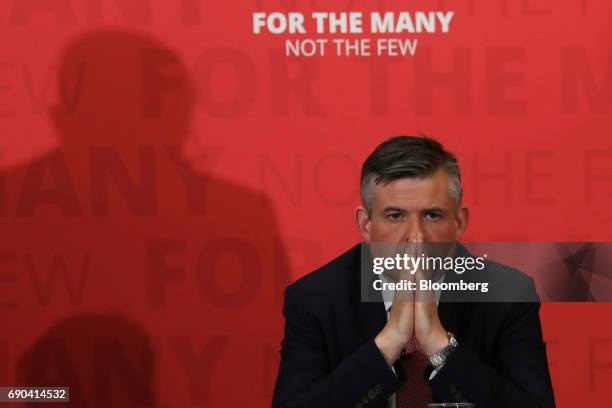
(437, 359)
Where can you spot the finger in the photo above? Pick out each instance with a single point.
(403, 295)
(423, 275)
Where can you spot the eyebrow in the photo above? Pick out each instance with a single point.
(434, 209)
(425, 210)
(394, 209)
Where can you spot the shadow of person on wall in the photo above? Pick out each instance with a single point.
(105, 360)
(126, 214)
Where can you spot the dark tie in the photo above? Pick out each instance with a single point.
(415, 393)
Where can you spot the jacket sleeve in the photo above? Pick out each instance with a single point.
(306, 377)
(518, 377)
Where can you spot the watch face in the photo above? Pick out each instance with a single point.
(436, 360)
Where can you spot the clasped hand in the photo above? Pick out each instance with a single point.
(413, 317)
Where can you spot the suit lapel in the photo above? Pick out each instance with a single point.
(372, 319)
(450, 313)
(371, 315)
(451, 305)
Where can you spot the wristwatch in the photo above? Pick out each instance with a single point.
(437, 359)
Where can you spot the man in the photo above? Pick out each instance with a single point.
(339, 351)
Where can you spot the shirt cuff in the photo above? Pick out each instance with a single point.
(435, 371)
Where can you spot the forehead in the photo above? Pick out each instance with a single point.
(422, 192)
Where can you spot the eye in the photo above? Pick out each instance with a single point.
(432, 215)
(394, 216)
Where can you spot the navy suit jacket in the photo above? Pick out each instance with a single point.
(329, 357)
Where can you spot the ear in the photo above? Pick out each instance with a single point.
(363, 222)
(462, 218)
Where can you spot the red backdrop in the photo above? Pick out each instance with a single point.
(166, 172)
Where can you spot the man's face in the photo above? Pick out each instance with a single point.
(413, 209)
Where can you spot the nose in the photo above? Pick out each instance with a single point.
(414, 229)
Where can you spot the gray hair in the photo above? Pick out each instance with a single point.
(408, 157)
